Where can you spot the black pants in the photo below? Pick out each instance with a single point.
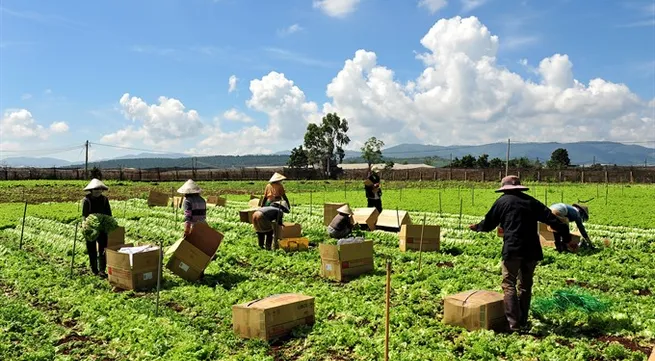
(375, 203)
(265, 239)
(97, 258)
(517, 273)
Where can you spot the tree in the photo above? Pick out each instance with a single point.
(483, 161)
(496, 163)
(559, 159)
(96, 173)
(298, 158)
(371, 151)
(524, 163)
(388, 165)
(324, 143)
(468, 161)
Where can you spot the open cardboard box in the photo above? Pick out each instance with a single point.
(140, 273)
(330, 211)
(157, 199)
(289, 230)
(245, 215)
(272, 317)
(410, 237)
(294, 244)
(191, 255)
(343, 262)
(116, 237)
(366, 217)
(216, 201)
(475, 310)
(392, 220)
(255, 203)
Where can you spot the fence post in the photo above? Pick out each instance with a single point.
(465, 176)
(140, 175)
(538, 176)
(483, 176)
(632, 179)
(434, 175)
(560, 176)
(582, 176)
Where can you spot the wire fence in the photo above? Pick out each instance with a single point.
(579, 175)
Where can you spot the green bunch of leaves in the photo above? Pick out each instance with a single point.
(97, 223)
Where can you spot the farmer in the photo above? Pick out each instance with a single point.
(343, 223)
(518, 213)
(372, 188)
(571, 213)
(194, 206)
(262, 221)
(95, 202)
(274, 191)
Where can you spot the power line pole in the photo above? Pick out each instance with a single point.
(507, 158)
(593, 162)
(86, 161)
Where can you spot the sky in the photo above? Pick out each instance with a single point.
(205, 77)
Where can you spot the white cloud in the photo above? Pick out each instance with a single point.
(521, 41)
(19, 123)
(158, 124)
(59, 127)
(468, 5)
(289, 30)
(463, 96)
(26, 96)
(232, 83)
(236, 116)
(336, 8)
(433, 5)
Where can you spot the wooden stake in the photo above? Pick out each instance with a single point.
(398, 218)
(401, 193)
(439, 202)
(546, 196)
(386, 312)
(311, 201)
(345, 195)
(158, 279)
(461, 202)
(420, 245)
(22, 228)
(562, 197)
(607, 193)
(472, 194)
(597, 187)
(74, 244)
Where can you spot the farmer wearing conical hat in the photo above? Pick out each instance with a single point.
(571, 213)
(262, 221)
(343, 223)
(518, 213)
(372, 188)
(96, 203)
(194, 206)
(274, 191)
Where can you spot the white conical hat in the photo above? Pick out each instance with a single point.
(277, 177)
(345, 209)
(96, 184)
(190, 187)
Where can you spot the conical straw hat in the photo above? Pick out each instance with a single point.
(190, 187)
(96, 184)
(277, 177)
(345, 209)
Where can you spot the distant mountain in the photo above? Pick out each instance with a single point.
(44, 162)
(580, 153)
(151, 155)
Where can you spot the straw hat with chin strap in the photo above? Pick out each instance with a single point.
(584, 211)
(277, 177)
(190, 187)
(96, 184)
(345, 209)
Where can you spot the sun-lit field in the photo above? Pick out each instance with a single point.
(45, 314)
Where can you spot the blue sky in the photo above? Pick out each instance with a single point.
(71, 62)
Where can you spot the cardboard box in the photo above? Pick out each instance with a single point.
(289, 230)
(366, 216)
(330, 211)
(346, 261)
(157, 199)
(368, 183)
(389, 219)
(177, 202)
(652, 355)
(294, 244)
(273, 316)
(191, 255)
(476, 309)
(545, 232)
(140, 273)
(216, 201)
(551, 243)
(116, 237)
(254, 203)
(410, 237)
(245, 215)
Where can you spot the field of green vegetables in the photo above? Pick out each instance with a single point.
(45, 314)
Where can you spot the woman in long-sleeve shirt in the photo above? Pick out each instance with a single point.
(262, 221)
(194, 206)
(274, 191)
(96, 203)
(571, 213)
(342, 224)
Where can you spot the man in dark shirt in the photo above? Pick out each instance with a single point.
(518, 214)
(95, 202)
(372, 188)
